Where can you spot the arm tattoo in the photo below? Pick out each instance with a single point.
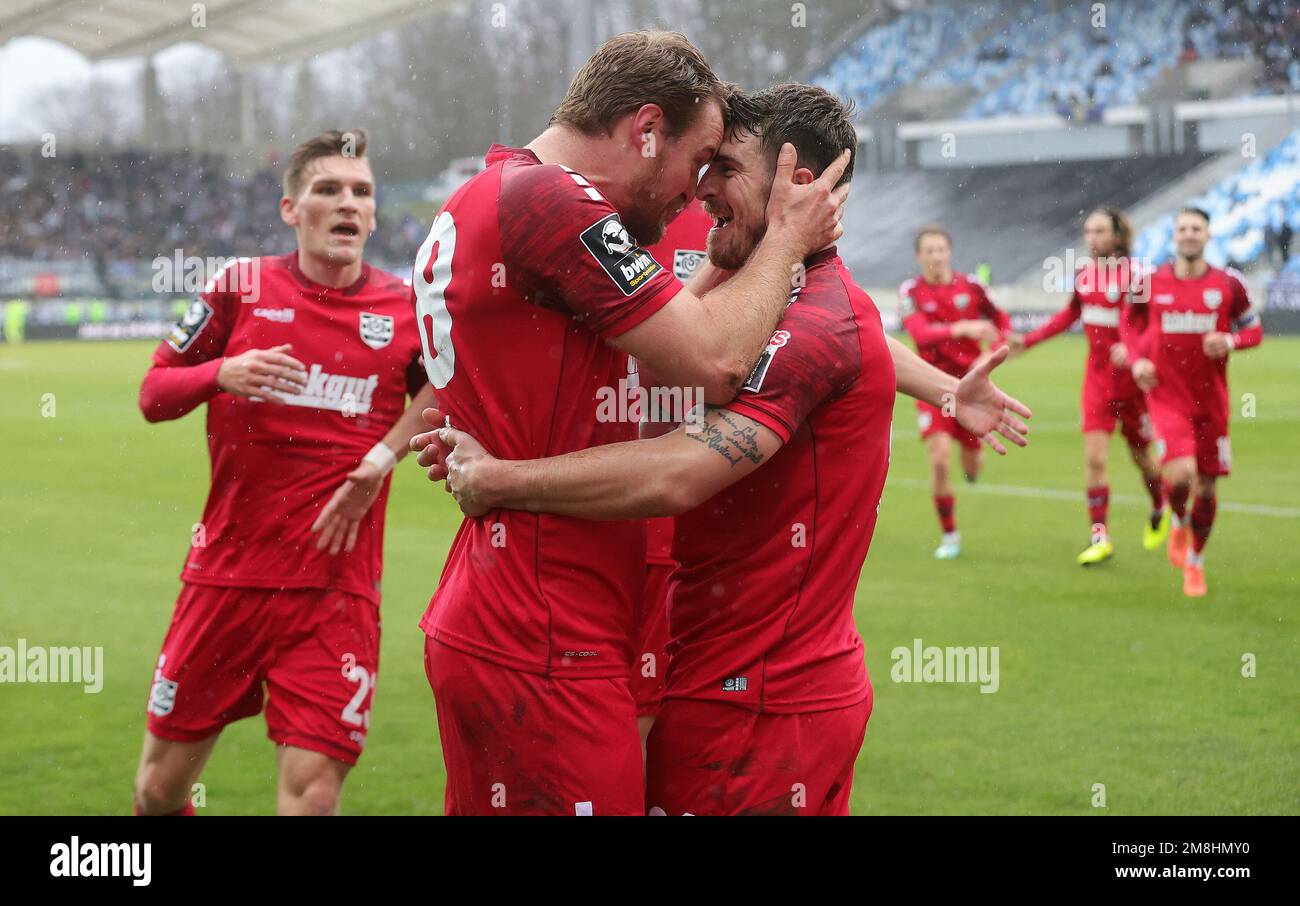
(730, 440)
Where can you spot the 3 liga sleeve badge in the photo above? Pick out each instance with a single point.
(629, 266)
(183, 333)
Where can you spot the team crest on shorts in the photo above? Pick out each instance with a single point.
(162, 698)
(376, 330)
(1212, 298)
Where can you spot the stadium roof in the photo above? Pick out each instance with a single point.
(243, 30)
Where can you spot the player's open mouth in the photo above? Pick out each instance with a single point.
(720, 223)
(345, 229)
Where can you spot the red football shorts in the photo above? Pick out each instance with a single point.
(313, 654)
(710, 758)
(1203, 435)
(1101, 411)
(517, 743)
(650, 666)
(931, 421)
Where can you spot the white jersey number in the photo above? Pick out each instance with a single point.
(430, 280)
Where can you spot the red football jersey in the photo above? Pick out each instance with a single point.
(928, 310)
(684, 246)
(1178, 315)
(525, 273)
(762, 611)
(1103, 293)
(274, 467)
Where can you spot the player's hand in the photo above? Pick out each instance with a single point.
(432, 454)
(467, 467)
(340, 520)
(1216, 345)
(1118, 355)
(985, 411)
(808, 215)
(1144, 375)
(1016, 342)
(263, 374)
(976, 329)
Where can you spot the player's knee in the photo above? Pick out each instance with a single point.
(319, 796)
(157, 792)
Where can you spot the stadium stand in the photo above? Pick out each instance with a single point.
(1250, 211)
(893, 55)
(120, 208)
(1042, 60)
(1072, 64)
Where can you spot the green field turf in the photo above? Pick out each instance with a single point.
(1107, 676)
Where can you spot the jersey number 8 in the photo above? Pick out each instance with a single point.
(430, 282)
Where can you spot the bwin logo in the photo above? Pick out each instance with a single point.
(635, 266)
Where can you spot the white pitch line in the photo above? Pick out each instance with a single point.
(1076, 497)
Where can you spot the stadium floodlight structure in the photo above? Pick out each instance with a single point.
(246, 32)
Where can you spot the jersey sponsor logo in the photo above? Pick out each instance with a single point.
(185, 331)
(735, 684)
(628, 266)
(961, 300)
(1177, 322)
(1112, 294)
(339, 392)
(759, 374)
(685, 261)
(279, 315)
(1165, 299)
(1213, 298)
(376, 330)
(1100, 316)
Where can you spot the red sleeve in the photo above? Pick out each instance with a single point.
(565, 246)
(1249, 331)
(814, 355)
(185, 364)
(170, 392)
(1060, 321)
(999, 317)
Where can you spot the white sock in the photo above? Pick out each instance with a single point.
(1195, 558)
(951, 538)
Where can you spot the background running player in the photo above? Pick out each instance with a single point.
(948, 316)
(1196, 316)
(1103, 288)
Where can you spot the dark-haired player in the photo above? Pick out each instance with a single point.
(777, 493)
(532, 291)
(1103, 289)
(305, 362)
(1195, 317)
(949, 315)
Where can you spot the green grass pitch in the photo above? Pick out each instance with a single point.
(1108, 676)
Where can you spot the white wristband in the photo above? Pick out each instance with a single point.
(382, 457)
(1232, 343)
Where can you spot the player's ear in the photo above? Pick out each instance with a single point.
(803, 176)
(647, 128)
(288, 211)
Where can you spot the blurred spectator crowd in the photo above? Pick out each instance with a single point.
(123, 207)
